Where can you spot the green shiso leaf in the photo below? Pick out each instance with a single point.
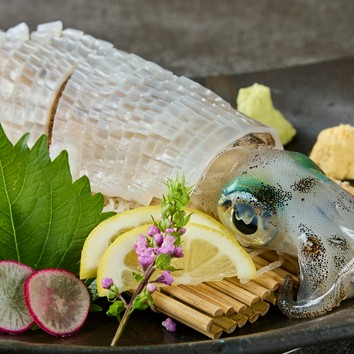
(44, 216)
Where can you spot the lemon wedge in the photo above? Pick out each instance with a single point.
(106, 232)
(210, 254)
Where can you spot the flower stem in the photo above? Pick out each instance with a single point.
(129, 309)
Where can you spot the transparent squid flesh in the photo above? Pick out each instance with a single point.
(127, 123)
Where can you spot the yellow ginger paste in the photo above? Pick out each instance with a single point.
(333, 152)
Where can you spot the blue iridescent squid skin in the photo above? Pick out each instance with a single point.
(282, 201)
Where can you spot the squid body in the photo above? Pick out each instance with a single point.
(282, 201)
(128, 124)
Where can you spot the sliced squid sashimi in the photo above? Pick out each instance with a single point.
(127, 123)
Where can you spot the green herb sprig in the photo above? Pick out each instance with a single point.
(155, 250)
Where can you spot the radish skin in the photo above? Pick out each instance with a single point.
(14, 315)
(57, 300)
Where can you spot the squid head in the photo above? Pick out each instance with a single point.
(281, 200)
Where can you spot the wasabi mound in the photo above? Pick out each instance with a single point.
(256, 102)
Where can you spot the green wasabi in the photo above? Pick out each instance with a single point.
(256, 102)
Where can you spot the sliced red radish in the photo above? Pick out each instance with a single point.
(14, 315)
(57, 300)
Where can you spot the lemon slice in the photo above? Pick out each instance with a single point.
(107, 231)
(209, 254)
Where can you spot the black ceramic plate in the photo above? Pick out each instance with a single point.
(312, 97)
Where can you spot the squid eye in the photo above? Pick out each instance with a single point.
(245, 219)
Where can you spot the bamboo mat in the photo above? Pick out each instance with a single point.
(214, 308)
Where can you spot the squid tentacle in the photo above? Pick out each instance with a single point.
(292, 309)
(344, 281)
(320, 305)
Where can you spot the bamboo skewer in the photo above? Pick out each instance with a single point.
(252, 287)
(272, 299)
(218, 307)
(240, 318)
(182, 312)
(215, 332)
(282, 273)
(234, 291)
(252, 315)
(267, 282)
(261, 307)
(226, 323)
(270, 274)
(210, 307)
(231, 305)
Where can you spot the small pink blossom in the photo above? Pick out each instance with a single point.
(169, 324)
(146, 255)
(169, 230)
(158, 239)
(182, 231)
(140, 244)
(153, 230)
(178, 252)
(167, 245)
(106, 283)
(165, 278)
(150, 287)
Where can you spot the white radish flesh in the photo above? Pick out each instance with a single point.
(14, 315)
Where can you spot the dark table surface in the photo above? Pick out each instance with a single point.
(206, 38)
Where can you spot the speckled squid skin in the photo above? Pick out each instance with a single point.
(282, 201)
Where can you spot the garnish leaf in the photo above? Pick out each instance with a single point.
(138, 277)
(116, 309)
(163, 261)
(142, 301)
(44, 216)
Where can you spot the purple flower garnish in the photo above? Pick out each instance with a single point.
(153, 230)
(106, 283)
(167, 245)
(169, 324)
(169, 230)
(158, 239)
(146, 255)
(165, 278)
(150, 288)
(182, 231)
(178, 252)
